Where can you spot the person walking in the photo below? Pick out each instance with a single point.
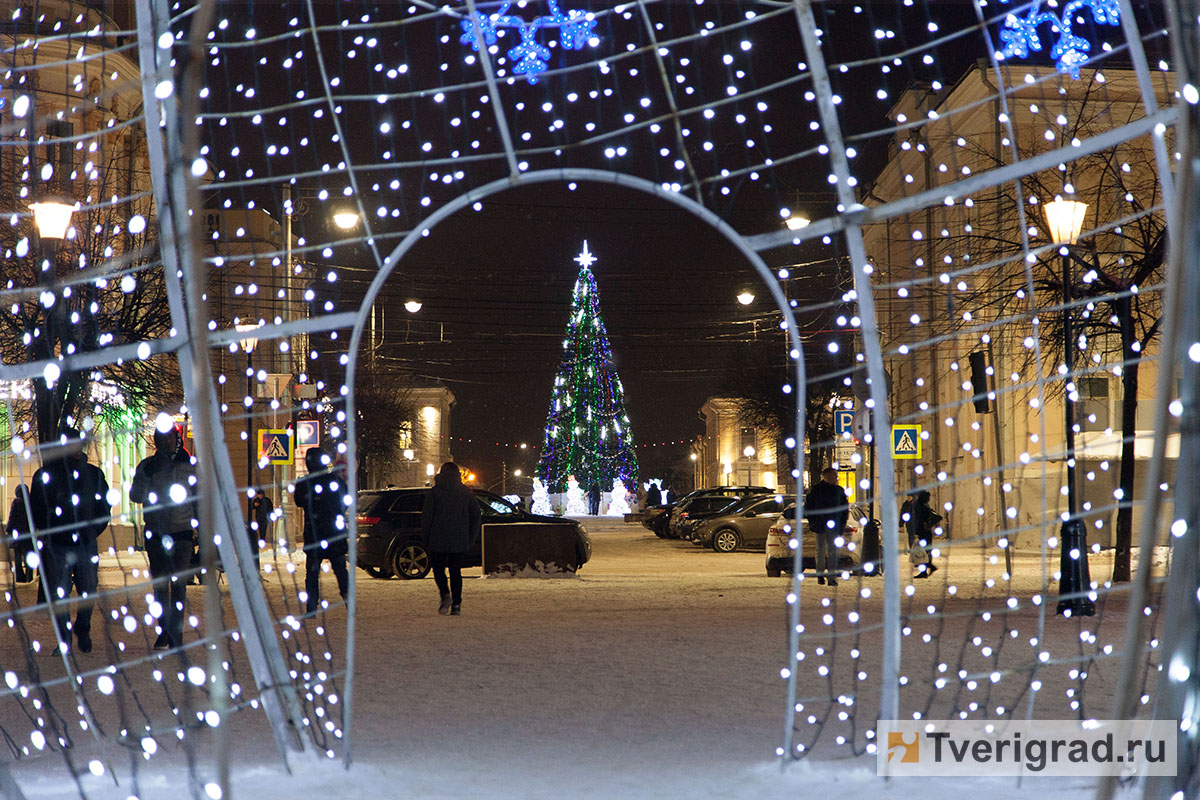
(259, 525)
(593, 496)
(920, 523)
(69, 501)
(450, 522)
(827, 507)
(165, 484)
(322, 495)
(20, 543)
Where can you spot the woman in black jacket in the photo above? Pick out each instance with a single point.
(449, 527)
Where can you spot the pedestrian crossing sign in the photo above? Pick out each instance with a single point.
(906, 441)
(275, 446)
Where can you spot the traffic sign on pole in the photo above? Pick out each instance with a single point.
(906, 441)
(843, 419)
(275, 446)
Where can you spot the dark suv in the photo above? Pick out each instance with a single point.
(389, 531)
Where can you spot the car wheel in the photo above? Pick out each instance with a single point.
(726, 540)
(410, 561)
(378, 572)
(773, 572)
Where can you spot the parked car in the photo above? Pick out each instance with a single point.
(779, 535)
(696, 516)
(705, 501)
(742, 526)
(389, 531)
(658, 518)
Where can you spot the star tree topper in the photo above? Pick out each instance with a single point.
(576, 29)
(1020, 34)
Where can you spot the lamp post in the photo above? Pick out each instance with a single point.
(52, 218)
(248, 343)
(1064, 218)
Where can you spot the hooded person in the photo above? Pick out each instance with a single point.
(450, 523)
(68, 498)
(165, 485)
(322, 495)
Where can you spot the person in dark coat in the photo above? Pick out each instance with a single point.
(593, 496)
(259, 525)
(450, 522)
(69, 500)
(920, 523)
(827, 509)
(165, 484)
(653, 496)
(322, 495)
(20, 542)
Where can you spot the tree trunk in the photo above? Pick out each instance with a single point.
(1129, 395)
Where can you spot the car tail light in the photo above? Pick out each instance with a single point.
(367, 520)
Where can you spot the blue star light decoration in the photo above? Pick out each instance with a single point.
(1020, 34)
(530, 57)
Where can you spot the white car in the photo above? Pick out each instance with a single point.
(781, 544)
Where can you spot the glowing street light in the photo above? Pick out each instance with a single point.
(345, 220)
(412, 305)
(52, 217)
(745, 297)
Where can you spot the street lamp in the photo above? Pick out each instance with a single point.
(248, 343)
(345, 220)
(1064, 219)
(745, 297)
(749, 454)
(52, 217)
(796, 222)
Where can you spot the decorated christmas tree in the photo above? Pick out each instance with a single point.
(587, 429)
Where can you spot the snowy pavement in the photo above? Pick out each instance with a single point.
(653, 674)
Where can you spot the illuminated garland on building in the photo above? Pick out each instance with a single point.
(587, 428)
(1020, 34)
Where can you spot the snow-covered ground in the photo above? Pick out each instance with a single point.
(653, 674)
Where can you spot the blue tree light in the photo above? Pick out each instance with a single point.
(1020, 34)
(530, 57)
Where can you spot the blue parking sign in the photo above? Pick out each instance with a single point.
(843, 420)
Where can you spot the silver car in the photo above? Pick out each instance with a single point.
(743, 526)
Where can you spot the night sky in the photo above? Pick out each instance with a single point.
(496, 283)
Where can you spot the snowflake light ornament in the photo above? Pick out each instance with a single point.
(576, 28)
(1020, 34)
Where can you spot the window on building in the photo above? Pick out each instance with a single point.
(406, 434)
(1092, 411)
(748, 439)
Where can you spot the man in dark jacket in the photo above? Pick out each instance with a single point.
(20, 543)
(827, 509)
(69, 501)
(593, 496)
(450, 522)
(920, 520)
(653, 497)
(322, 495)
(165, 484)
(258, 527)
